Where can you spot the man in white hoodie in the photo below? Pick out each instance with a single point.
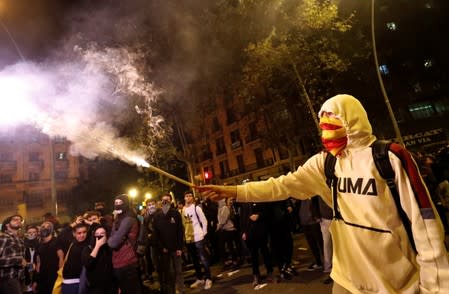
(195, 227)
(372, 252)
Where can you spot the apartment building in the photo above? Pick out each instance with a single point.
(231, 148)
(25, 173)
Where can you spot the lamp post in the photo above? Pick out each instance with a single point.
(381, 83)
(132, 193)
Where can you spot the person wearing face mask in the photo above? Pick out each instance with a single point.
(146, 241)
(97, 259)
(12, 256)
(31, 243)
(125, 230)
(372, 250)
(168, 234)
(48, 260)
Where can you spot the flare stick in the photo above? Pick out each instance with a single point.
(168, 175)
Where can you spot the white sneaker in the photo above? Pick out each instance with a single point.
(208, 284)
(197, 283)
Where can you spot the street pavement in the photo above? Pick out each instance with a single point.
(239, 281)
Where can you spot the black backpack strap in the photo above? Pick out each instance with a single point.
(382, 161)
(331, 181)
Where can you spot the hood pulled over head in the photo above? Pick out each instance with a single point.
(353, 117)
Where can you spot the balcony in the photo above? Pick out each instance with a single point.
(220, 152)
(251, 138)
(36, 165)
(236, 144)
(61, 164)
(8, 166)
(207, 155)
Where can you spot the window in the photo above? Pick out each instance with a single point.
(215, 125)
(235, 139)
(61, 175)
(252, 132)
(240, 163)
(5, 179)
(33, 176)
(224, 168)
(59, 139)
(421, 110)
(220, 146)
(61, 156)
(230, 115)
(6, 156)
(384, 69)
(392, 26)
(34, 156)
(63, 196)
(35, 199)
(259, 157)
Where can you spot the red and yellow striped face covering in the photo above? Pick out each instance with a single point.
(333, 134)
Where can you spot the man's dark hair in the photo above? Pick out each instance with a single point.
(81, 225)
(32, 227)
(8, 220)
(167, 194)
(188, 192)
(92, 213)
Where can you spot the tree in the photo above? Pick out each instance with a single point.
(296, 64)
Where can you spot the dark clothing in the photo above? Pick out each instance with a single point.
(128, 280)
(124, 257)
(65, 238)
(122, 241)
(12, 252)
(168, 230)
(10, 286)
(73, 266)
(281, 240)
(49, 263)
(98, 269)
(257, 234)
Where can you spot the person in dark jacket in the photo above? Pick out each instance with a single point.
(71, 272)
(169, 233)
(123, 239)
(254, 224)
(97, 259)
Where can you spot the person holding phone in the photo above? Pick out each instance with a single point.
(97, 259)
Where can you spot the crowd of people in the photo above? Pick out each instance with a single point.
(118, 253)
(102, 253)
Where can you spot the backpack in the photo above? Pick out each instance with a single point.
(381, 160)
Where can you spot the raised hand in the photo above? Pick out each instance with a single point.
(217, 193)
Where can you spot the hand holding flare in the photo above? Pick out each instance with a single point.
(217, 193)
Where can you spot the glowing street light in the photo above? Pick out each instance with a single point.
(133, 193)
(148, 195)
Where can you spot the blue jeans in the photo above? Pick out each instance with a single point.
(198, 253)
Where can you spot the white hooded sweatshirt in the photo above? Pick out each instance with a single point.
(372, 253)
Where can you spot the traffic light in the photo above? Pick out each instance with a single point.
(207, 175)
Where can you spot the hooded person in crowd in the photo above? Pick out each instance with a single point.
(125, 262)
(372, 252)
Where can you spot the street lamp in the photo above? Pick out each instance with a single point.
(133, 193)
(148, 195)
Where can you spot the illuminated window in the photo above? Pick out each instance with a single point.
(61, 156)
(428, 63)
(421, 110)
(392, 26)
(384, 69)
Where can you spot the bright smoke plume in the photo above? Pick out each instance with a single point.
(64, 99)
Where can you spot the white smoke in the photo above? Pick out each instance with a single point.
(65, 99)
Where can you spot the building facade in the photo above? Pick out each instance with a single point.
(25, 174)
